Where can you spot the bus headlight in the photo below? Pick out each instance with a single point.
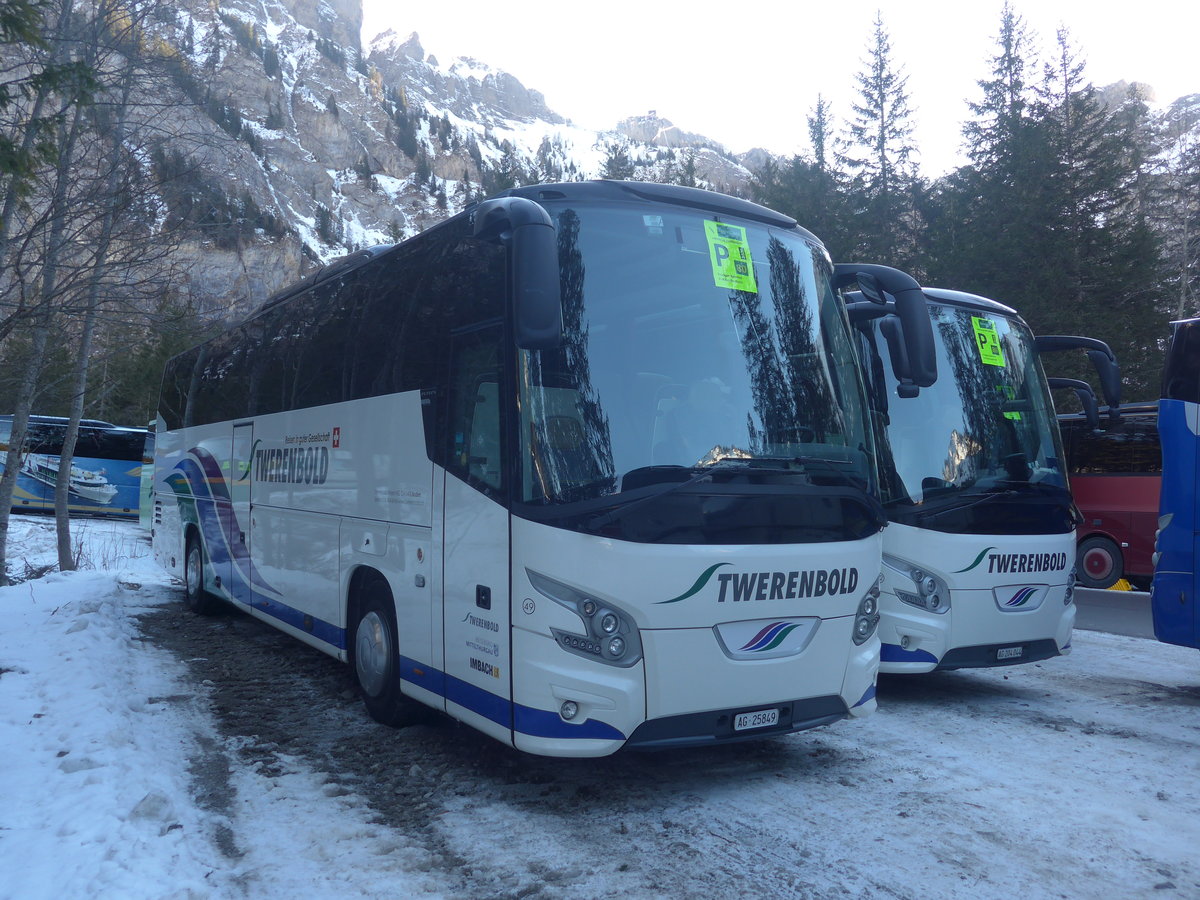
(916, 586)
(1070, 592)
(607, 633)
(866, 620)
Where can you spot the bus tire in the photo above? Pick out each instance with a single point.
(374, 655)
(195, 597)
(1099, 563)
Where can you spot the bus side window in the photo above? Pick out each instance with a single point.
(483, 440)
(476, 425)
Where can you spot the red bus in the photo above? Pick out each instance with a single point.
(1116, 475)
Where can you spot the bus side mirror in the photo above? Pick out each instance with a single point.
(1101, 355)
(1109, 374)
(533, 254)
(913, 312)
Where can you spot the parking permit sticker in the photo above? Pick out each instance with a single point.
(730, 255)
(987, 341)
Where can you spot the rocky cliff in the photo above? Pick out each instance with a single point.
(322, 146)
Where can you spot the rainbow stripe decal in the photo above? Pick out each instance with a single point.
(1020, 598)
(769, 638)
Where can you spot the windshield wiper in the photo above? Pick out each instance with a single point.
(809, 466)
(1033, 491)
(649, 476)
(697, 477)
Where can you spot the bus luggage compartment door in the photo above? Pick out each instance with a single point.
(475, 611)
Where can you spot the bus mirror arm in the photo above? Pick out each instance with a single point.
(1087, 398)
(527, 230)
(1103, 359)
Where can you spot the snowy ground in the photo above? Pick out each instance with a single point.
(151, 754)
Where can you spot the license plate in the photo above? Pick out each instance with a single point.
(1009, 652)
(762, 718)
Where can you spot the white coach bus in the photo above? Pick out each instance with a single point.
(979, 553)
(586, 466)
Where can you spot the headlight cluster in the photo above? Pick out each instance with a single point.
(609, 633)
(927, 591)
(866, 620)
(1070, 593)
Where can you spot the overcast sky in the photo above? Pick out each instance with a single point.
(748, 74)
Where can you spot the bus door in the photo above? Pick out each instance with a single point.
(240, 466)
(475, 539)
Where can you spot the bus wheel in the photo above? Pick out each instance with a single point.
(375, 657)
(1099, 563)
(195, 597)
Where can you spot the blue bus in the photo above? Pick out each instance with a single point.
(1173, 592)
(105, 471)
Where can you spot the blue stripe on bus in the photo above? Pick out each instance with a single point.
(543, 723)
(523, 719)
(423, 676)
(867, 697)
(325, 631)
(485, 703)
(896, 653)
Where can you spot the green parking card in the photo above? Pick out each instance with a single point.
(987, 341)
(730, 254)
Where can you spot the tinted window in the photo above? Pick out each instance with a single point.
(1181, 376)
(381, 328)
(1126, 447)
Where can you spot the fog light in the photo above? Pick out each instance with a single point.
(569, 710)
(616, 646)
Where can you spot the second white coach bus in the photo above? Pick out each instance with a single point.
(586, 466)
(979, 553)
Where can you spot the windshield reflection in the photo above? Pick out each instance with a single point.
(987, 426)
(669, 366)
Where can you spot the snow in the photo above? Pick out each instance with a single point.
(1073, 777)
(100, 731)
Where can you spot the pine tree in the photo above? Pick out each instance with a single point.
(994, 206)
(617, 163)
(880, 158)
(687, 169)
(1103, 254)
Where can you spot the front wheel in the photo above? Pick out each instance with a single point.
(195, 597)
(375, 657)
(1099, 563)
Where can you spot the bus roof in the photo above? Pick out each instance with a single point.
(962, 298)
(62, 420)
(673, 194)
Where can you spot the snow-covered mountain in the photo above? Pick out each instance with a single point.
(307, 146)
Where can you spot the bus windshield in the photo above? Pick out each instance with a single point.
(982, 435)
(674, 370)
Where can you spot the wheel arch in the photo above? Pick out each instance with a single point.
(360, 577)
